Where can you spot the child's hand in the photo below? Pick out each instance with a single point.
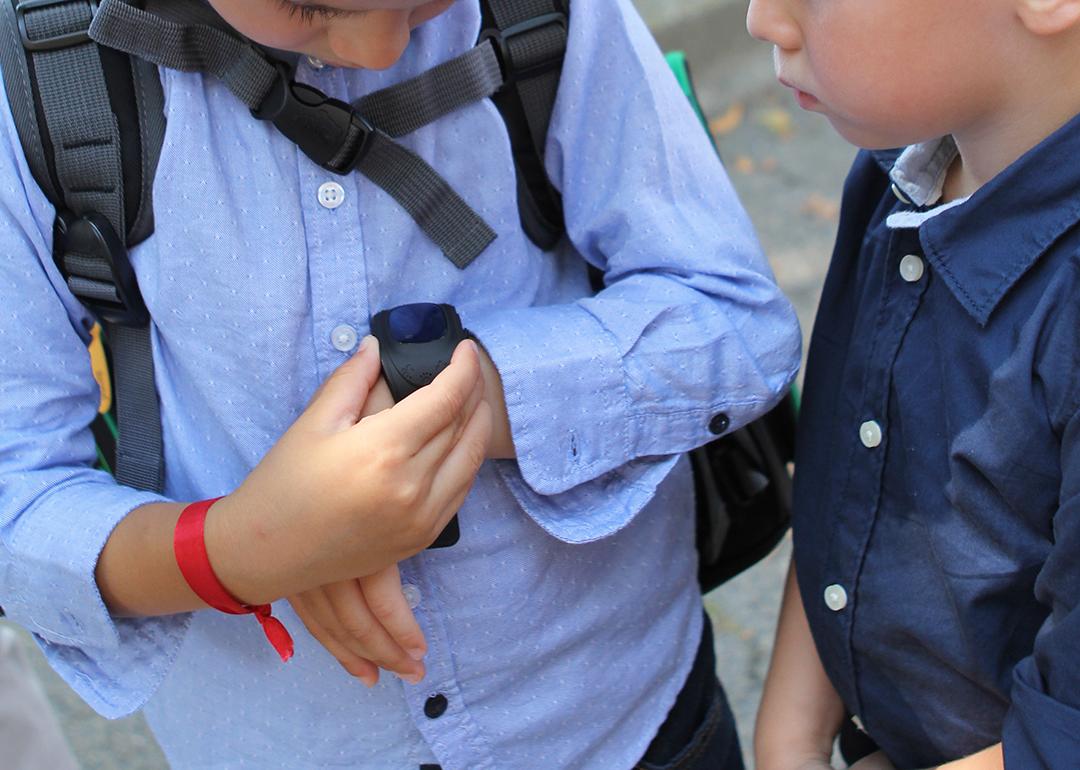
(367, 625)
(339, 497)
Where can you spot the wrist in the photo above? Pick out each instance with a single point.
(501, 446)
(193, 560)
(240, 553)
(782, 741)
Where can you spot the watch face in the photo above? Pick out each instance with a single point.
(421, 322)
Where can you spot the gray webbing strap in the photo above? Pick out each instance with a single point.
(87, 160)
(437, 209)
(150, 104)
(140, 461)
(85, 140)
(441, 214)
(21, 97)
(186, 47)
(538, 94)
(403, 108)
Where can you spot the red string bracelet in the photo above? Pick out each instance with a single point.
(189, 546)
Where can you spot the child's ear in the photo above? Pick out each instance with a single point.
(1048, 17)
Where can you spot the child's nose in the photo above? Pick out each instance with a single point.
(772, 22)
(374, 41)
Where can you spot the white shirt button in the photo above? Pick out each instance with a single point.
(344, 338)
(315, 63)
(331, 195)
(870, 434)
(835, 597)
(912, 268)
(412, 595)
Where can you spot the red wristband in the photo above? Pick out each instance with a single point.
(189, 546)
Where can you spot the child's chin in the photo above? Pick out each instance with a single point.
(865, 138)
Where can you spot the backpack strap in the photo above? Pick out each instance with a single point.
(517, 62)
(531, 39)
(330, 132)
(90, 122)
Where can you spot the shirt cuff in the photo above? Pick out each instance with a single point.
(1039, 732)
(565, 393)
(49, 555)
(595, 509)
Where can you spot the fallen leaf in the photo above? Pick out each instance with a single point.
(821, 207)
(744, 164)
(729, 121)
(778, 121)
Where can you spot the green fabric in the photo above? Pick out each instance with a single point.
(679, 65)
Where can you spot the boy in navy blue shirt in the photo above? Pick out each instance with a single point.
(937, 524)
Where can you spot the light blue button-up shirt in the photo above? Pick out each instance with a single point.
(562, 625)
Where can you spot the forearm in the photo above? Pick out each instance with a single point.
(138, 576)
(800, 710)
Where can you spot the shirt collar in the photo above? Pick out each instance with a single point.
(982, 245)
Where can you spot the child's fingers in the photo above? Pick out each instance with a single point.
(359, 667)
(338, 401)
(457, 471)
(360, 631)
(430, 455)
(387, 603)
(430, 410)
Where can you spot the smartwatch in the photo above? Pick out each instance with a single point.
(416, 342)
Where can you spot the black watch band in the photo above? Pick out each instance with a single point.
(416, 342)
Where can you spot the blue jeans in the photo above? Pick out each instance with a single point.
(699, 732)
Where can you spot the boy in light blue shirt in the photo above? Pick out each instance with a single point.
(562, 628)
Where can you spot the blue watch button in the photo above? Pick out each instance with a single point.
(416, 323)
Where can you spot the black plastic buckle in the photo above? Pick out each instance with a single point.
(512, 72)
(327, 130)
(55, 42)
(92, 235)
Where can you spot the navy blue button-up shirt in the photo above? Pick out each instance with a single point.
(937, 524)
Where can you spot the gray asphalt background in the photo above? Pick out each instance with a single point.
(788, 168)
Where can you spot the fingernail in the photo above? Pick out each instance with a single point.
(365, 343)
(414, 678)
(417, 653)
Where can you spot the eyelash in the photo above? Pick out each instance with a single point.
(308, 13)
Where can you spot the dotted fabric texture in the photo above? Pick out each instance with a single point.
(562, 625)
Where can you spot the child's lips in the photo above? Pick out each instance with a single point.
(805, 99)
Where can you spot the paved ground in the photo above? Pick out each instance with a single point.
(788, 168)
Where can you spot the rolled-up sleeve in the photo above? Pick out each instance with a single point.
(56, 512)
(691, 330)
(1042, 727)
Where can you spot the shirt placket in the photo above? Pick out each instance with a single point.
(904, 286)
(437, 705)
(337, 269)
